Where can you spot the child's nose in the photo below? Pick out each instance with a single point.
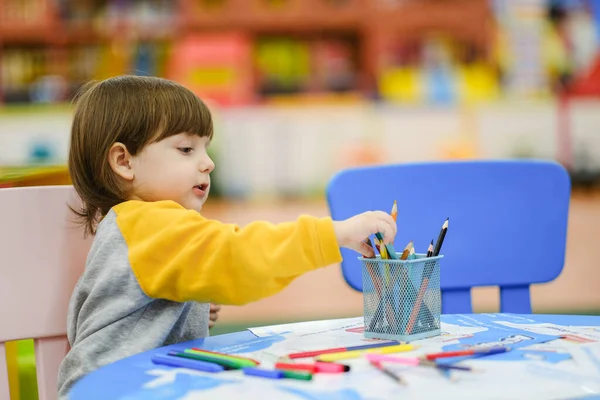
(207, 165)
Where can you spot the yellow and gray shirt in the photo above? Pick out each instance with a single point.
(154, 267)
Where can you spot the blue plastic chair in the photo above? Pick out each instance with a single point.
(507, 228)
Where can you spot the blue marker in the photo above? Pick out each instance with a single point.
(263, 373)
(162, 359)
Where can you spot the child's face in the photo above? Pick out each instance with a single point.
(176, 168)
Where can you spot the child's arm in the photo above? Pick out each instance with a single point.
(179, 255)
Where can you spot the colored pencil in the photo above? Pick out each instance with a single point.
(346, 355)
(406, 251)
(379, 289)
(228, 364)
(470, 352)
(315, 353)
(389, 248)
(226, 355)
(415, 361)
(412, 254)
(394, 214)
(440, 241)
(427, 271)
(389, 373)
(430, 249)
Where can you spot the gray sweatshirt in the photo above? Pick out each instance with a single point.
(111, 318)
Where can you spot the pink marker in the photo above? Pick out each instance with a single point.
(331, 368)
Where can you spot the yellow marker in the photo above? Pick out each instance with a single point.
(358, 353)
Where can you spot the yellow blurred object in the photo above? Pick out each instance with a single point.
(358, 353)
(477, 83)
(34, 176)
(459, 150)
(401, 85)
(13, 370)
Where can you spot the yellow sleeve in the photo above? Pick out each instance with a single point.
(177, 254)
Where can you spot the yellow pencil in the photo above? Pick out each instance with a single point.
(382, 249)
(358, 353)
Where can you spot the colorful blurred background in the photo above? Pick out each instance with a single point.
(301, 89)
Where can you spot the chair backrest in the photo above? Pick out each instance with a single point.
(42, 254)
(507, 227)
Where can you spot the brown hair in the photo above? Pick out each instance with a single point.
(132, 110)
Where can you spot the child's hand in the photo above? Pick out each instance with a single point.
(214, 314)
(352, 232)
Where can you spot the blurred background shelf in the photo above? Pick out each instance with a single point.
(350, 41)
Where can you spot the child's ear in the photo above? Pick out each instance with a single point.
(120, 161)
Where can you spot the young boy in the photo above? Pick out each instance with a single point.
(138, 161)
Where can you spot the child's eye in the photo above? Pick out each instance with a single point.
(186, 150)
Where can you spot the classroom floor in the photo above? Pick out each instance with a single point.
(324, 294)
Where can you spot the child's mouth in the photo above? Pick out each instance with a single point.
(200, 190)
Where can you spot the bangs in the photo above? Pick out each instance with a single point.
(182, 111)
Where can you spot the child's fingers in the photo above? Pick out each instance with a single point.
(387, 227)
(366, 250)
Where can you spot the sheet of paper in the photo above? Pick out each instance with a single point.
(308, 327)
(578, 334)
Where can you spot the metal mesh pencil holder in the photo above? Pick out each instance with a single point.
(402, 299)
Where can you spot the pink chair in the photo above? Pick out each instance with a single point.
(42, 254)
